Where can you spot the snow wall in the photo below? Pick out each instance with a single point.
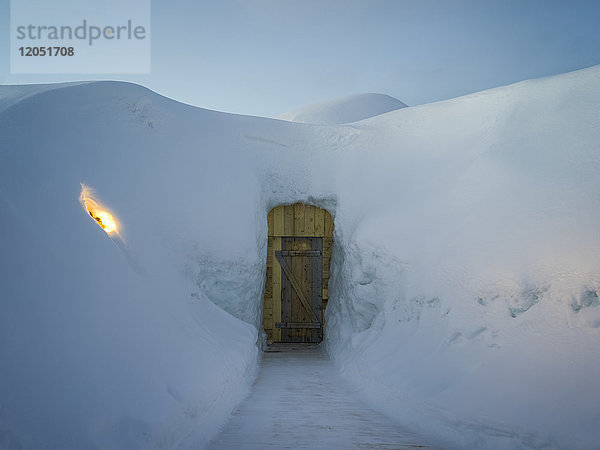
(466, 266)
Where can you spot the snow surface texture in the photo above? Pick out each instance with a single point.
(466, 265)
(344, 110)
(299, 400)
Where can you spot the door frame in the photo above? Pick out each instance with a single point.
(293, 220)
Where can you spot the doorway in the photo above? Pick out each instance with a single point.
(298, 261)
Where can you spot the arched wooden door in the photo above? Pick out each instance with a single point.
(298, 259)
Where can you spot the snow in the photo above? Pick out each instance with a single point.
(105, 345)
(300, 400)
(344, 110)
(464, 298)
(456, 286)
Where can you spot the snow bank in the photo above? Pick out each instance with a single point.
(344, 110)
(466, 295)
(104, 345)
(464, 298)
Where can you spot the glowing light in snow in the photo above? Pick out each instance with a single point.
(98, 211)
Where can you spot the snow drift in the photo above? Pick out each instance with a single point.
(344, 110)
(466, 267)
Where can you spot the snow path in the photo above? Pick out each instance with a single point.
(300, 400)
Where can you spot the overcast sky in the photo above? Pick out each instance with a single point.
(264, 57)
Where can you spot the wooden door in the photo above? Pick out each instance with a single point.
(301, 259)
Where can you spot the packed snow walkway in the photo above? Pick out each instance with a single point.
(299, 400)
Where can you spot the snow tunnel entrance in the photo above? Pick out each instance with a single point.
(298, 260)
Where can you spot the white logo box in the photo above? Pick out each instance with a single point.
(80, 36)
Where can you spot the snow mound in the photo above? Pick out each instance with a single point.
(465, 278)
(344, 110)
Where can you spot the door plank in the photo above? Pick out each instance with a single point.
(319, 222)
(307, 264)
(288, 221)
(317, 287)
(270, 222)
(298, 311)
(278, 221)
(299, 219)
(309, 220)
(276, 291)
(286, 297)
(328, 226)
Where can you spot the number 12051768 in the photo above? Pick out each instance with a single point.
(46, 51)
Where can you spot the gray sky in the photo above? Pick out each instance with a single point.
(264, 57)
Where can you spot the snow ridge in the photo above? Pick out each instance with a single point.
(344, 110)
